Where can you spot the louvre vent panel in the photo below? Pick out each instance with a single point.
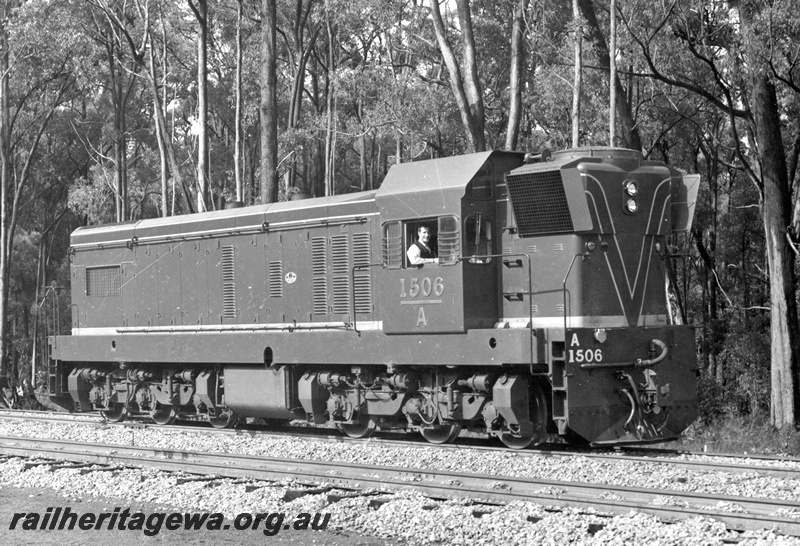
(363, 295)
(361, 249)
(362, 256)
(340, 254)
(341, 295)
(320, 295)
(228, 282)
(319, 262)
(276, 279)
(104, 281)
(319, 267)
(539, 203)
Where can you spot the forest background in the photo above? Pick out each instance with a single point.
(118, 110)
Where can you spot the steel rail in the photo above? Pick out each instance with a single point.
(755, 513)
(321, 435)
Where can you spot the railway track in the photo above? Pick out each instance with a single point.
(738, 513)
(779, 467)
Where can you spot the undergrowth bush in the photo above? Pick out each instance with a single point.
(740, 434)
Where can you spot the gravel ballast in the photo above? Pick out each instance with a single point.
(405, 516)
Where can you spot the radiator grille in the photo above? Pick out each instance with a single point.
(228, 282)
(540, 203)
(363, 277)
(339, 254)
(341, 295)
(319, 268)
(361, 250)
(276, 279)
(104, 281)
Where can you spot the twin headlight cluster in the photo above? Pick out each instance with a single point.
(629, 192)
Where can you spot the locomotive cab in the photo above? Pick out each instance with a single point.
(457, 198)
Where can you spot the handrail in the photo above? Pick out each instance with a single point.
(638, 363)
(583, 255)
(265, 227)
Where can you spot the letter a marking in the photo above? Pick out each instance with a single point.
(421, 321)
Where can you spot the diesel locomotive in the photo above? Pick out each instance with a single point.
(546, 310)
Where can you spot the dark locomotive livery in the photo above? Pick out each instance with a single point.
(546, 312)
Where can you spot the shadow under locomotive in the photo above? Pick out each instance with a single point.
(545, 309)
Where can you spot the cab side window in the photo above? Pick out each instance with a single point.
(392, 249)
(449, 240)
(441, 244)
(478, 244)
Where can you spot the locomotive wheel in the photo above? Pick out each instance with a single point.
(538, 411)
(358, 430)
(227, 419)
(441, 435)
(114, 414)
(164, 415)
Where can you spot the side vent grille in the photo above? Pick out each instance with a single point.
(228, 282)
(339, 254)
(319, 269)
(275, 279)
(104, 281)
(341, 274)
(341, 295)
(363, 277)
(539, 203)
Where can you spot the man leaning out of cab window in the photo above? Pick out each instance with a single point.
(421, 252)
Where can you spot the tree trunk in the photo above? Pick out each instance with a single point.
(5, 180)
(201, 13)
(785, 332)
(160, 137)
(466, 89)
(629, 133)
(237, 146)
(517, 62)
(330, 135)
(612, 73)
(269, 103)
(576, 85)
(472, 81)
(119, 98)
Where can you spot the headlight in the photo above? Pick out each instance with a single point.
(631, 188)
(631, 205)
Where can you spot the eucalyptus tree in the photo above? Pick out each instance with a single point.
(39, 59)
(269, 102)
(464, 78)
(736, 56)
(134, 28)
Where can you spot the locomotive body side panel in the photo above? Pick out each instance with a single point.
(475, 348)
